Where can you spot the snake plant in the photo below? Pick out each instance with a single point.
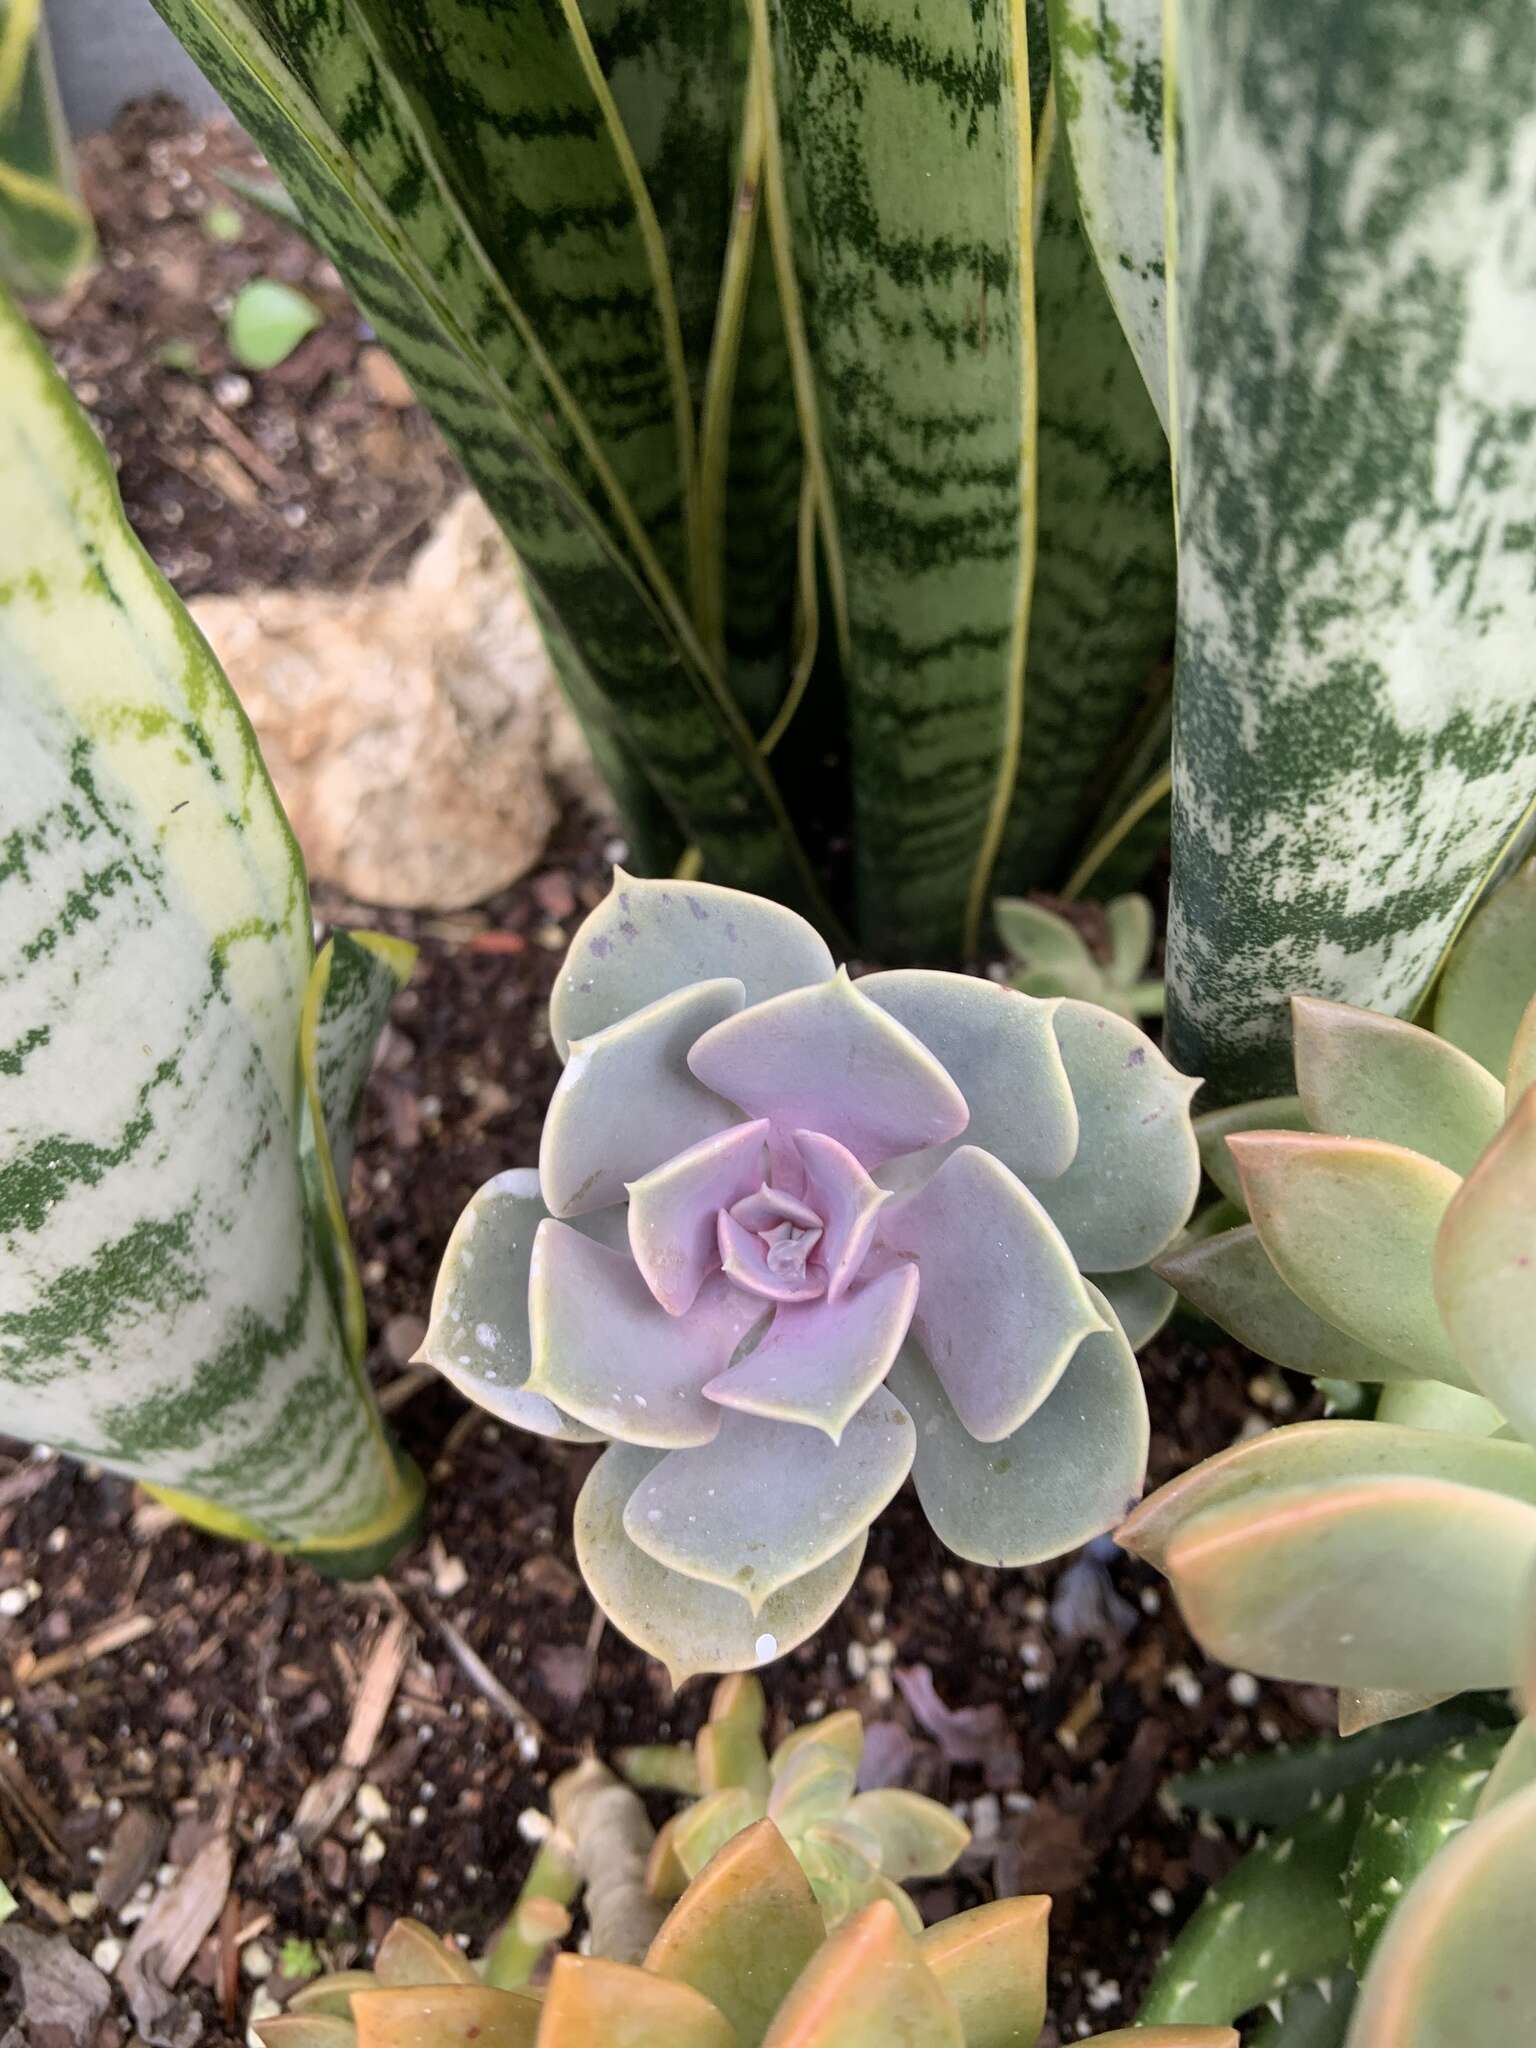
(178, 1071)
(47, 240)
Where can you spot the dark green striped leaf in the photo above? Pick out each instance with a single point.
(46, 236)
(1355, 441)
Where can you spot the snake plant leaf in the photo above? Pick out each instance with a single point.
(1142, 1303)
(1215, 1126)
(766, 1502)
(478, 1335)
(628, 1100)
(1354, 728)
(692, 1627)
(918, 1837)
(1490, 977)
(1130, 1189)
(1232, 1279)
(155, 1218)
(591, 1999)
(47, 241)
(1274, 1921)
(1290, 1584)
(743, 1932)
(1107, 59)
(1001, 1049)
(1065, 1477)
(649, 939)
(1350, 1225)
(1409, 1816)
(990, 1963)
(1484, 1276)
(354, 980)
(1457, 1959)
(1002, 1307)
(1102, 605)
(1366, 1076)
(442, 2016)
(391, 212)
(1250, 1471)
(867, 1987)
(915, 289)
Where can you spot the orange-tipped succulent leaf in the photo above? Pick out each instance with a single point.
(991, 1966)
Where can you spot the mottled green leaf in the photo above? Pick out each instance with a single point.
(46, 237)
(1354, 432)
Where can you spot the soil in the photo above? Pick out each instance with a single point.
(1048, 1704)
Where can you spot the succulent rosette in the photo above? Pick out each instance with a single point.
(793, 1237)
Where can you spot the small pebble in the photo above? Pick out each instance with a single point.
(107, 1954)
(370, 1850)
(1184, 1686)
(881, 1690)
(84, 1905)
(371, 1804)
(17, 1599)
(534, 1826)
(1243, 1688)
(858, 1662)
(1162, 1901)
(256, 1962)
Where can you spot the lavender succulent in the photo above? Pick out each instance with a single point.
(793, 1236)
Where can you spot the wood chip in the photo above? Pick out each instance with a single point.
(19, 1793)
(43, 1901)
(132, 1855)
(26, 1480)
(101, 1642)
(325, 1799)
(172, 1931)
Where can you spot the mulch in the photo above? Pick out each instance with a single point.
(169, 1697)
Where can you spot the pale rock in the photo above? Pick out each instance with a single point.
(417, 737)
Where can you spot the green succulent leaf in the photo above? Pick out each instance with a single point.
(1522, 1060)
(1142, 1303)
(1215, 1126)
(1039, 938)
(867, 1988)
(1364, 1076)
(1309, 2016)
(1484, 1273)
(991, 1962)
(267, 322)
(1513, 1770)
(591, 1999)
(1352, 287)
(1490, 976)
(917, 1837)
(155, 1219)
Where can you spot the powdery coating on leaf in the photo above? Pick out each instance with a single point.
(1356, 449)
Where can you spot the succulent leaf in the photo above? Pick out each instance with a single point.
(1002, 1307)
(1133, 1181)
(704, 1828)
(673, 1210)
(1001, 1050)
(309, 2029)
(692, 1627)
(628, 1101)
(990, 1963)
(1514, 1769)
(1291, 1584)
(813, 1783)
(1485, 1270)
(649, 939)
(1132, 933)
(730, 1752)
(1062, 1479)
(1212, 1130)
(1457, 1965)
(1490, 977)
(843, 1732)
(1364, 1076)
(591, 1999)
(1141, 1301)
(821, 1362)
(1041, 939)
(446, 2016)
(867, 1988)
(916, 1837)
(1350, 1226)
(411, 1954)
(767, 1502)
(1522, 1060)
(1309, 2016)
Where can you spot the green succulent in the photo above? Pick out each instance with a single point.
(1052, 958)
(744, 1960)
(855, 1847)
(1392, 1228)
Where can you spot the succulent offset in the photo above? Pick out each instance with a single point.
(1051, 957)
(792, 1236)
(855, 1847)
(744, 1960)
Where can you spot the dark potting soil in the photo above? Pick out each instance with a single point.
(164, 1693)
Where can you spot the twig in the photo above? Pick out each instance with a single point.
(474, 1667)
(173, 1930)
(324, 1800)
(17, 1789)
(405, 1387)
(101, 1642)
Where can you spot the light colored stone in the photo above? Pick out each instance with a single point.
(416, 734)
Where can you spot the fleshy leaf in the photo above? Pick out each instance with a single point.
(746, 1261)
(588, 1307)
(591, 1999)
(1131, 935)
(1001, 1306)
(819, 1363)
(990, 1963)
(1066, 1476)
(1490, 977)
(445, 2016)
(478, 1333)
(811, 1785)
(704, 1828)
(1169, 2037)
(1141, 1301)
(1515, 1769)
(828, 1059)
(1000, 1049)
(1365, 1076)
(690, 1626)
(743, 1933)
(1232, 1279)
(648, 939)
(1132, 1184)
(1041, 938)
(411, 1954)
(843, 1731)
(918, 1837)
(1307, 1452)
(672, 1211)
(868, 1987)
(1485, 1271)
(1212, 1130)
(1407, 1583)
(731, 1753)
(766, 1502)
(1457, 1966)
(627, 1101)
(1350, 1225)
(1522, 1060)
(847, 1201)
